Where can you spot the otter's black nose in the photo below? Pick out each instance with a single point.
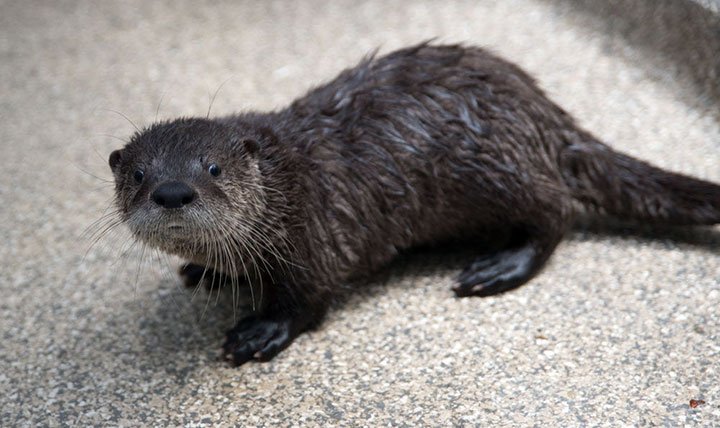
(173, 194)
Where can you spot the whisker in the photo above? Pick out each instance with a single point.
(157, 110)
(104, 180)
(215, 260)
(100, 157)
(124, 117)
(247, 249)
(233, 248)
(115, 137)
(212, 100)
(139, 267)
(105, 228)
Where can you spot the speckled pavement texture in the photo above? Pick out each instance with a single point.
(621, 329)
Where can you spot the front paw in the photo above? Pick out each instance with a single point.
(258, 338)
(195, 275)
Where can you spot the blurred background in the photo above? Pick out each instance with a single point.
(619, 328)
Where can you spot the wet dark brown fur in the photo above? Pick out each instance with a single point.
(425, 145)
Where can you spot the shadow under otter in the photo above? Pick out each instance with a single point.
(425, 145)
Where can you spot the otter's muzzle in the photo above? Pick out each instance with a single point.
(173, 194)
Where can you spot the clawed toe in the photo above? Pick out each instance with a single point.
(256, 338)
(496, 273)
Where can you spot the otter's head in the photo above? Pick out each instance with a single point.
(185, 185)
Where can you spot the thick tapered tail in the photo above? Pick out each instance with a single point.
(629, 188)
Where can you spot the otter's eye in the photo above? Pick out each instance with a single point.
(138, 176)
(214, 170)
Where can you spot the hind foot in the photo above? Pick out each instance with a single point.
(498, 272)
(531, 242)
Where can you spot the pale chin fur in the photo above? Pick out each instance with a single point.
(170, 232)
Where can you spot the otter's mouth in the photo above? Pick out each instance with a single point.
(174, 229)
(170, 229)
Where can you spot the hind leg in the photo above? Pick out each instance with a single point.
(518, 263)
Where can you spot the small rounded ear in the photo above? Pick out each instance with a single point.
(251, 145)
(115, 158)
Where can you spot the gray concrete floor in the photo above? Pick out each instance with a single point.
(620, 329)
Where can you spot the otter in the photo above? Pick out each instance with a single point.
(422, 146)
